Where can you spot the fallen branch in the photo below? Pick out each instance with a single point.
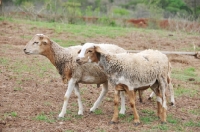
(196, 54)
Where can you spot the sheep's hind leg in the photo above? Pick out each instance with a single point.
(151, 95)
(123, 108)
(71, 86)
(171, 90)
(100, 98)
(80, 105)
(140, 92)
(116, 104)
(132, 96)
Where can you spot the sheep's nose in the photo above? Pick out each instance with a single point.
(24, 49)
(78, 59)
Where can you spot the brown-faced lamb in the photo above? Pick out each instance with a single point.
(128, 72)
(72, 73)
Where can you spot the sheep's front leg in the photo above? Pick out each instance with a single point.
(100, 98)
(116, 104)
(80, 105)
(71, 86)
(132, 96)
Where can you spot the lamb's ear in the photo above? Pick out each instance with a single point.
(98, 49)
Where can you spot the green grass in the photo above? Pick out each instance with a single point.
(12, 114)
(195, 112)
(45, 118)
(148, 116)
(179, 91)
(98, 112)
(17, 89)
(185, 74)
(4, 61)
(83, 30)
(172, 120)
(192, 124)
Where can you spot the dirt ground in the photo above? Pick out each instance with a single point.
(31, 98)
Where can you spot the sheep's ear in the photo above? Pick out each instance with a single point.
(46, 40)
(79, 51)
(98, 49)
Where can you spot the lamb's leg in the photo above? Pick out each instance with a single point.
(161, 100)
(151, 95)
(71, 86)
(159, 105)
(140, 92)
(100, 98)
(80, 105)
(171, 90)
(123, 108)
(132, 96)
(116, 104)
(164, 103)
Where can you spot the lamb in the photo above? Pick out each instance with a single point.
(129, 72)
(72, 73)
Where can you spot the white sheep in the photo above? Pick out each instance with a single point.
(129, 72)
(72, 73)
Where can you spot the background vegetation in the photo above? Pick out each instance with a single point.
(71, 10)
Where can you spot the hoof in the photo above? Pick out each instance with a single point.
(91, 112)
(113, 122)
(172, 104)
(59, 118)
(163, 122)
(149, 98)
(137, 124)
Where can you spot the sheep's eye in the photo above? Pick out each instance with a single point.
(79, 51)
(90, 51)
(35, 42)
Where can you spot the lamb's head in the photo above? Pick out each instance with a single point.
(89, 53)
(39, 44)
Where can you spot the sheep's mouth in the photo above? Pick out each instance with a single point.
(28, 53)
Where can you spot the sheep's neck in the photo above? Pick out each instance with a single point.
(51, 56)
(109, 64)
(59, 57)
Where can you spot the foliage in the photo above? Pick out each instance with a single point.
(120, 12)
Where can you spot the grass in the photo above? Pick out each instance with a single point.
(192, 124)
(185, 74)
(195, 112)
(148, 116)
(83, 30)
(179, 91)
(45, 118)
(12, 114)
(98, 112)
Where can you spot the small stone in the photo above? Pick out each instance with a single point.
(61, 123)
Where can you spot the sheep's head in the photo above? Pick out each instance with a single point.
(89, 53)
(39, 44)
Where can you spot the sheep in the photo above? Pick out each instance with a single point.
(72, 73)
(128, 72)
